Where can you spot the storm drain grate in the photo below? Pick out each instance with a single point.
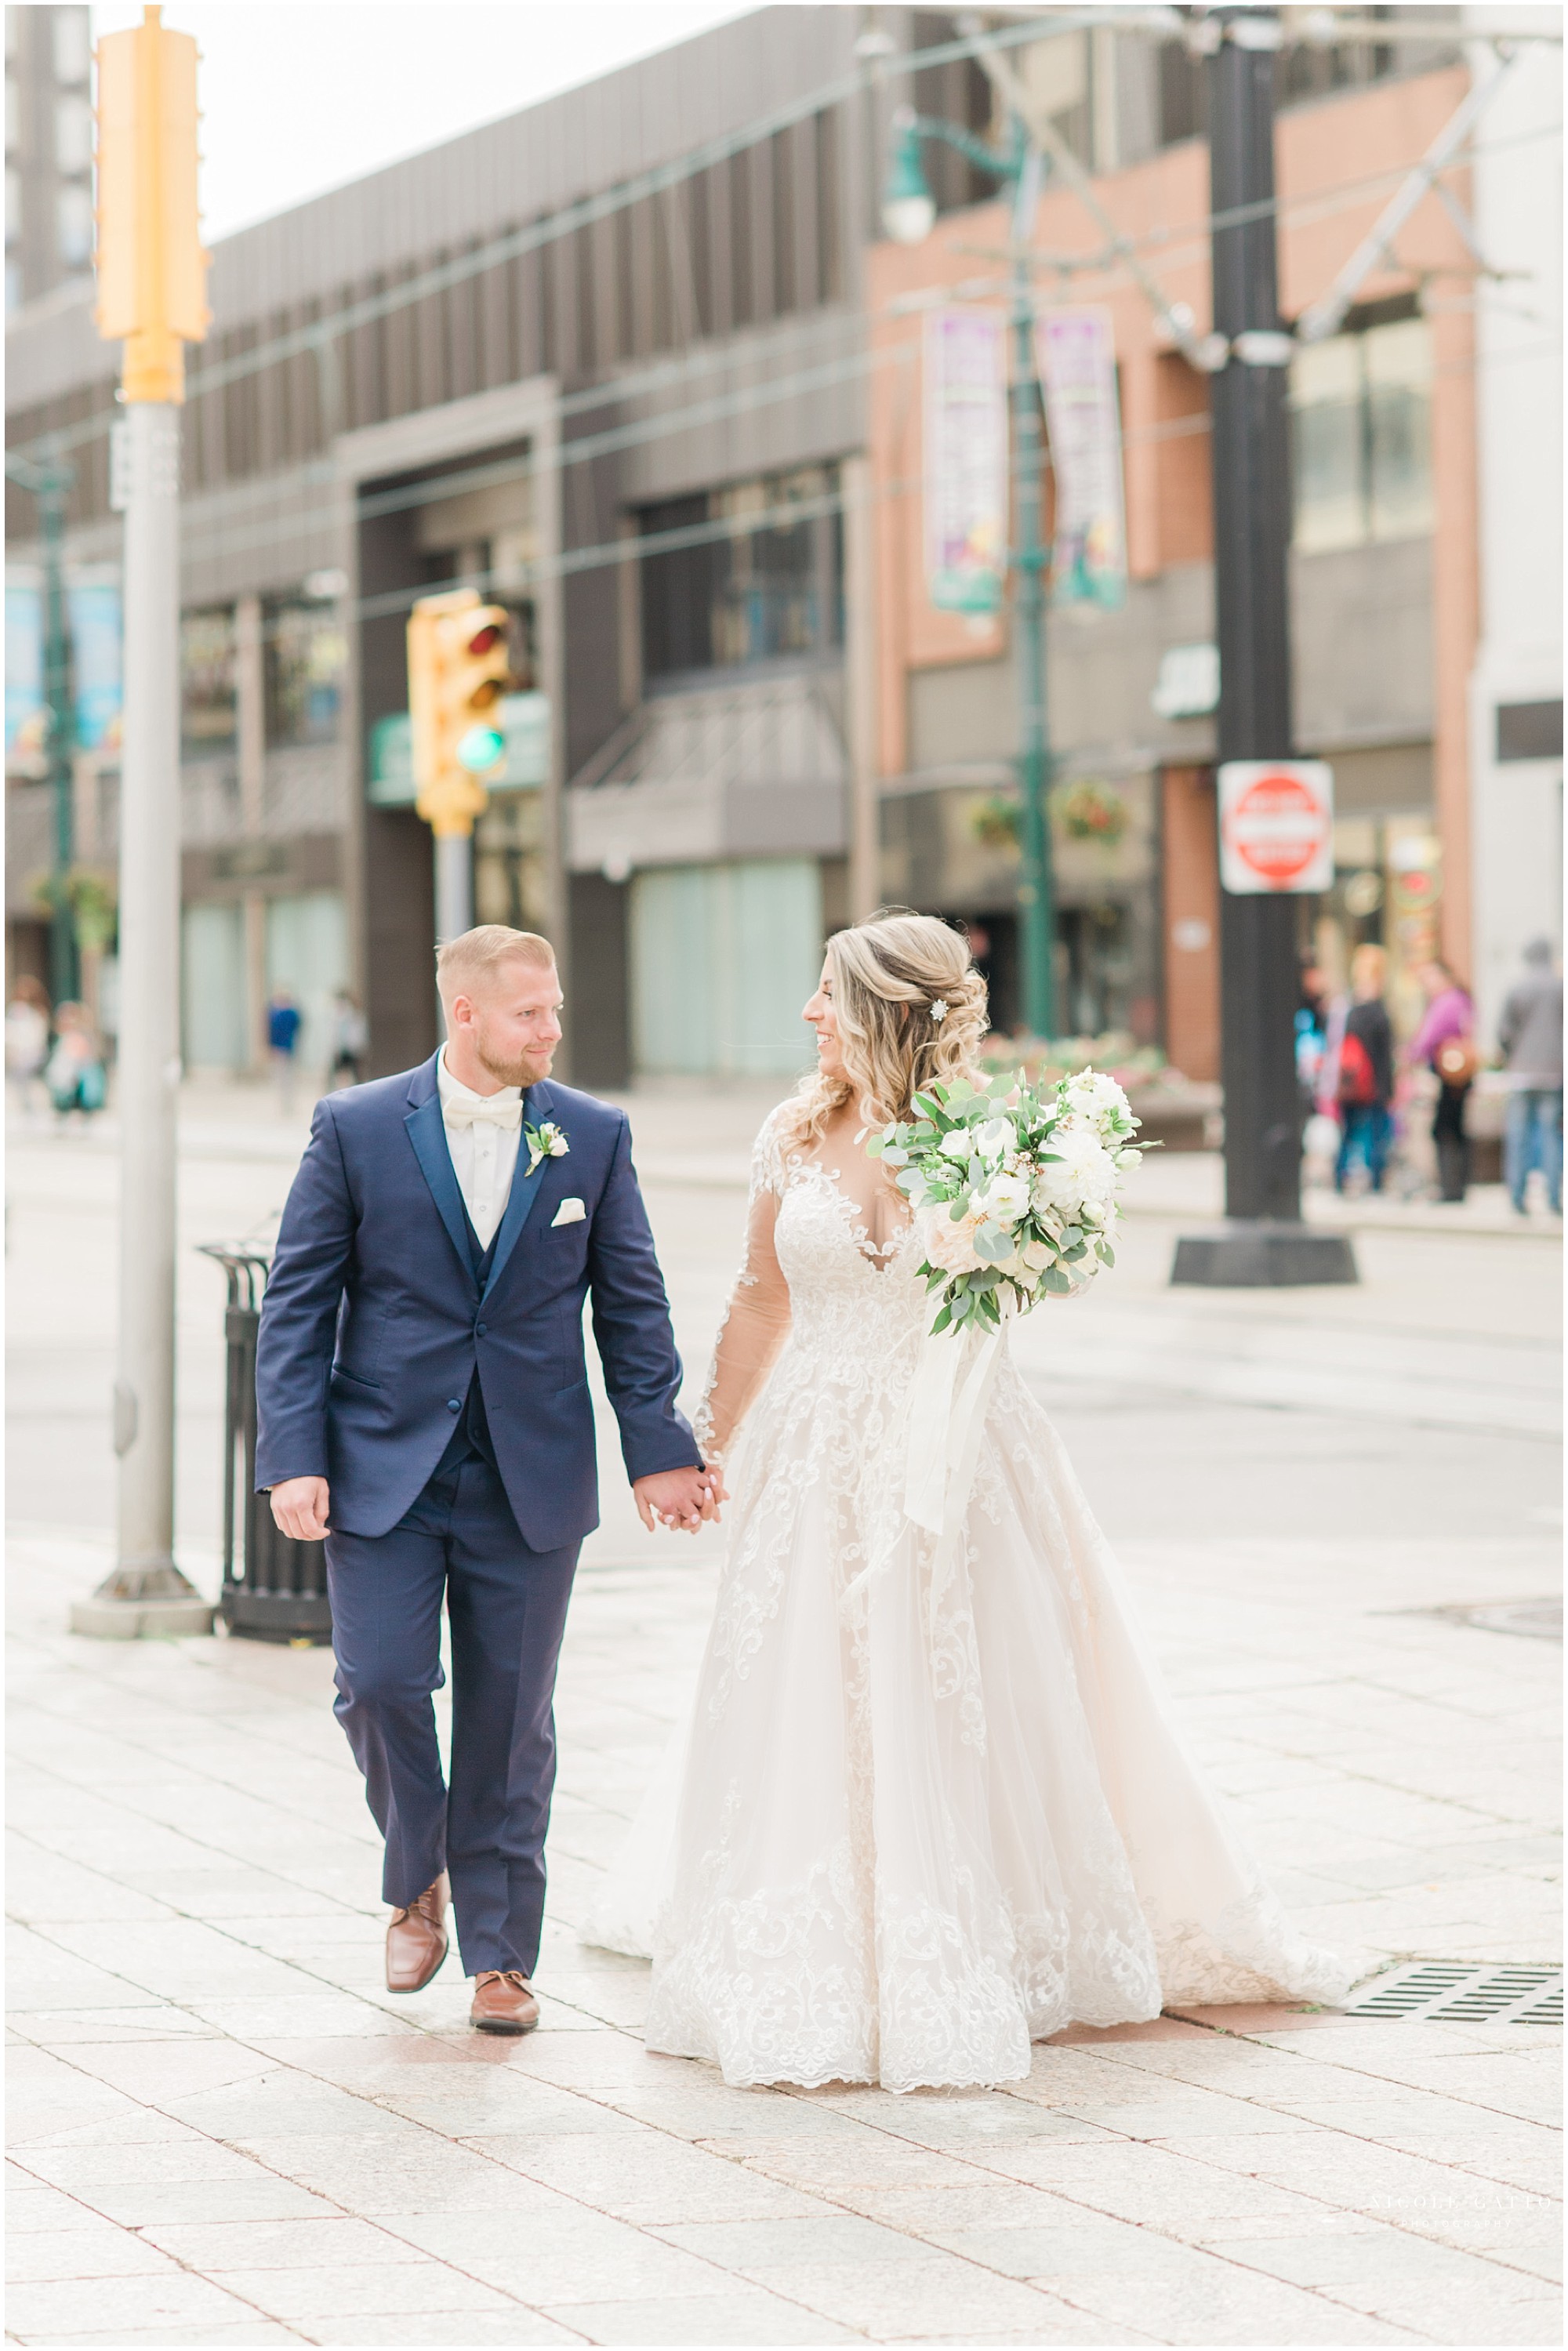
(1456, 1992)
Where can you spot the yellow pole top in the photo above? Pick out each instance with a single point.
(152, 268)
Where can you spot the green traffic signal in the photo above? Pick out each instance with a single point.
(481, 747)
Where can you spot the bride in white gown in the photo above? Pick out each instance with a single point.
(906, 1834)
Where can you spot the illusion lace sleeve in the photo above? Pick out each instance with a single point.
(756, 1320)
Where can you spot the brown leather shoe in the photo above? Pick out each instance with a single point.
(417, 1940)
(503, 2003)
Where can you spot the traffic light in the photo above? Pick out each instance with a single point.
(152, 268)
(459, 666)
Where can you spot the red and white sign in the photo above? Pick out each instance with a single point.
(1276, 826)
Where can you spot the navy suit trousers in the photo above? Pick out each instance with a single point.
(506, 1608)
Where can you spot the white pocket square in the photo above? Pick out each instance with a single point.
(570, 1212)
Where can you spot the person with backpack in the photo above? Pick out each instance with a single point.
(1362, 1071)
(74, 1072)
(1446, 1042)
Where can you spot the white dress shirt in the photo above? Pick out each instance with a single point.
(484, 1157)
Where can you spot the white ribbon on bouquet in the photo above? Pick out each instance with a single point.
(948, 1402)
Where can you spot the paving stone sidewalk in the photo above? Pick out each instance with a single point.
(224, 2131)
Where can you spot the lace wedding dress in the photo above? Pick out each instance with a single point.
(909, 1831)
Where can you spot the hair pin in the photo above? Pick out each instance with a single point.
(938, 1013)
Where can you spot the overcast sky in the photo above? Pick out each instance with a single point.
(298, 98)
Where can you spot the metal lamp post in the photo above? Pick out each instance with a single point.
(909, 212)
(1264, 1241)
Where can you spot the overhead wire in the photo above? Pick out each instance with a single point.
(677, 369)
(334, 326)
(667, 373)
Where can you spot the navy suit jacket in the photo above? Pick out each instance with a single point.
(374, 1324)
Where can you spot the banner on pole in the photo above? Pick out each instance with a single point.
(1276, 826)
(1075, 352)
(27, 734)
(92, 599)
(966, 460)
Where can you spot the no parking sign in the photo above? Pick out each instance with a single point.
(1276, 826)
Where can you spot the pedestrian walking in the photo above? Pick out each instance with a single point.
(423, 1407)
(1319, 1128)
(26, 1042)
(1312, 1029)
(1531, 1034)
(1445, 1043)
(284, 1022)
(73, 1074)
(1362, 1071)
(350, 1040)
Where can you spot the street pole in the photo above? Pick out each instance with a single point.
(1264, 1241)
(147, 1593)
(1036, 891)
(152, 295)
(908, 212)
(454, 884)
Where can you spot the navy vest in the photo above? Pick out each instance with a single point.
(471, 1439)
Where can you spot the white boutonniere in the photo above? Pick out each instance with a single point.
(545, 1142)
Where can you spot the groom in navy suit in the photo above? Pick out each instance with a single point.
(422, 1404)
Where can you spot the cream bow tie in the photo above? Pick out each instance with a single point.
(490, 1111)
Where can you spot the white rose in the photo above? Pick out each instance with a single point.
(949, 1244)
(995, 1138)
(1093, 1094)
(957, 1144)
(1082, 1170)
(1005, 1199)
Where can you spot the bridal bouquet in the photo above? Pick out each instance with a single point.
(1015, 1198)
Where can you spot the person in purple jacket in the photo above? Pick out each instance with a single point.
(1445, 1043)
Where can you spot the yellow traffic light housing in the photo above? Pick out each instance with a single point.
(152, 268)
(459, 666)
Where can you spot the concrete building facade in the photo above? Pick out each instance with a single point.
(636, 363)
(1384, 578)
(48, 150)
(1516, 685)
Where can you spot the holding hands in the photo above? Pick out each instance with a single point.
(684, 1499)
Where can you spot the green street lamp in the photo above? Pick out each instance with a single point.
(908, 212)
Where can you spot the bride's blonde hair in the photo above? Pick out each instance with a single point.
(910, 1010)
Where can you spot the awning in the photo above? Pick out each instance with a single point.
(727, 772)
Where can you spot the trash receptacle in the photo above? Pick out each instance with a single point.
(274, 1589)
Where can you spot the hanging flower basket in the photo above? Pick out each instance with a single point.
(998, 822)
(1091, 812)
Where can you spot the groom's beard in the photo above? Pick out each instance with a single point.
(520, 1070)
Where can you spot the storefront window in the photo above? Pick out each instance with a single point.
(306, 656)
(1361, 414)
(763, 591)
(208, 709)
